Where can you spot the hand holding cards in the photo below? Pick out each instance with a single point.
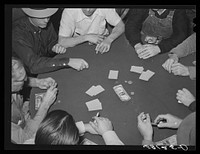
(47, 98)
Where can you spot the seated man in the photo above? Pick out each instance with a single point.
(187, 47)
(89, 24)
(186, 133)
(154, 31)
(22, 127)
(35, 42)
(67, 132)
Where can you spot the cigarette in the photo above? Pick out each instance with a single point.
(97, 115)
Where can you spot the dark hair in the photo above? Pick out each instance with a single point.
(58, 127)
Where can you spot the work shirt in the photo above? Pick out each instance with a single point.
(74, 22)
(33, 45)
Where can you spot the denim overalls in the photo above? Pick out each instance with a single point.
(155, 29)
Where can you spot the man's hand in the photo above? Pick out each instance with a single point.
(185, 97)
(179, 69)
(101, 125)
(148, 50)
(167, 65)
(45, 83)
(144, 126)
(171, 121)
(50, 96)
(59, 49)
(94, 38)
(78, 63)
(104, 46)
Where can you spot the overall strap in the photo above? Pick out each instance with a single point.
(171, 13)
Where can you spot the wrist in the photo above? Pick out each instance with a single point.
(148, 138)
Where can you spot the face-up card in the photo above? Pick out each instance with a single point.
(94, 105)
(94, 90)
(90, 91)
(98, 89)
(38, 100)
(136, 69)
(146, 75)
(113, 74)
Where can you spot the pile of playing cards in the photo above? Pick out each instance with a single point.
(38, 100)
(94, 90)
(94, 105)
(121, 93)
(145, 75)
(113, 74)
(137, 69)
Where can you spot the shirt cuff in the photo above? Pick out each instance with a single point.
(173, 56)
(111, 138)
(81, 127)
(192, 72)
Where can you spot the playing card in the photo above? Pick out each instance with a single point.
(94, 105)
(113, 74)
(146, 75)
(38, 100)
(94, 90)
(90, 91)
(136, 69)
(121, 93)
(98, 89)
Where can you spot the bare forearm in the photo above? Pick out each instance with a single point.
(117, 31)
(72, 41)
(33, 82)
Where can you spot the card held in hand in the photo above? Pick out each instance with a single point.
(38, 100)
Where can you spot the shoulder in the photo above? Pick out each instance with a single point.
(105, 11)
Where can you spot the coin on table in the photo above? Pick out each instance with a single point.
(130, 82)
(132, 93)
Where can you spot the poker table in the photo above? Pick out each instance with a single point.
(156, 96)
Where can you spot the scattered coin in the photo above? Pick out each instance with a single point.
(132, 93)
(130, 82)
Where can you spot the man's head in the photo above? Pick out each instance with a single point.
(88, 11)
(18, 75)
(39, 16)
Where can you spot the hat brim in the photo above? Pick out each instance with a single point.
(44, 13)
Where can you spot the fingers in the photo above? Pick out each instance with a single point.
(59, 49)
(161, 116)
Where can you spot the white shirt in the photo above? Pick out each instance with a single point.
(74, 22)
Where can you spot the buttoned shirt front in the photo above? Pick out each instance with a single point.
(74, 22)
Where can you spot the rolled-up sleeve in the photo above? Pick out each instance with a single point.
(112, 17)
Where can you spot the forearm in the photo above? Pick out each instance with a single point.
(33, 82)
(81, 127)
(32, 125)
(117, 31)
(192, 106)
(111, 138)
(185, 48)
(72, 41)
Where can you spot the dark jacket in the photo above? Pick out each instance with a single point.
(33, 46)
(180, 24)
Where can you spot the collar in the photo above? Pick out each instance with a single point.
(161, 12)
(31, 27)
(82, 16)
